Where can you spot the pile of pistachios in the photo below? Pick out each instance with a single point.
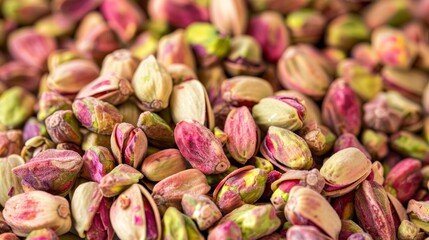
(214, 119)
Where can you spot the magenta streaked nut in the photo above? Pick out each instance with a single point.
(98, 161)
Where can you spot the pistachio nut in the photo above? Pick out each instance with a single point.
(16, 106)
(121, 62)
(272, 176)
(157, 130)
(66, 7)
(98, 161)
(55, 25)
(152, 85)
(37, 209)
(10, 142)
(17, 73)
(178, 14)
(312, 109)
(177, 225)
(189, 101)
(380, 116)
(33, 128)
(4, 228)
(199, 146)
(44, 233)
(277, 5)
(62, 126)
(344, 171)
(134, 215)
(173, 48)
(93, 139)
(118, 180)
(376, 143)
(169, 191)
(365, 54)
(50, 102)
(229, 17)
(240, 125)
(348, 140)
(9, 236)
(344, 205)
(409, 231)
(280, 111)
(245, 57)
(163, 164)
(348, 228)
(404, 179)
(345, 31)
(11, 184)
(212, 79)
(130, 112)
(410, 111)
(35, 145)
(376, 14)
(410, 145)
(24, 12)
(306, 25)
(96, 115)
(244, 185)
(60, 56)
(373, 210)
(90, 212)
(305, 232)
(129, 144)
(307, 207)
(201, 209)
(53, 171)
(181, 73)
(255, 221)
(393, 79)
(228, 230)
(285, 149)
(319, 138)
(145, 45)
(245, 90)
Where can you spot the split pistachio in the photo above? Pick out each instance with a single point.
(118, 180)
(157, 130)
(201, 209)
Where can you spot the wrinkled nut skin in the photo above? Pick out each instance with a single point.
(418, 213)
(121, 62)
(373, 211)
(409, 231)
(341, 109)
(50, 102)
(10, 142)
(240, 125)
(163, 164)
(35, 145)
(11, 184)
(305, 232)
(228, 230)
(95, 115)
(129, 144)
(37, 209)
(245, 90)
(97, 162)
(319, 138)
(62, 126)
(33, 128)
(118, 180)
(134, 215)
(199, 146)
(285, 149)
(157, 130)
(169, 191)
(53, 171)
(201, 209)
(379, 116)
(404, 179)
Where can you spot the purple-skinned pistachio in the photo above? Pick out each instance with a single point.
(240, 125)
(94, 38)
(306, 25)
(300, 72)
(50, 102)
(180, 14)
(33, 128)
(90, 211)
(270, 32)
(245, 57)
(199, 146)
(54, 171)
(307, 207)
(173, 49)
(11, 142)
(201, 209)
(404, 179)
(344, 205)
(62, 126)
(284, 149)
(134, 215)
(393, 47)
(129, 144)
(177, 225)
(376, 143)
(348, 228)
(345, 31)
(110, 88)
(157, 130)
(118, 180)
(163, 164)
(11, 183)
(31, 47)
(98, 161)
(305, 232)
(341, 109)
(410, 145)
(169, 191)
(16, 106)
(124, 17)
(18, 73)
(75, 9)
(280, 111)
(347, 140)
(282, 186)
(35, 145)
(95, 115)
(319, 138)
(244, 185)
(395, 79)
(272, 176)
(399, 213)
(121, 62)
(344, 171)
(70, 77)
(44, 233)
(255, 221)
(210, 46)
(372, 208)
(229, 17)
(228, 230)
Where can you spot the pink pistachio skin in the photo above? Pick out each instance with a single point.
(347, 140)
(404, 179)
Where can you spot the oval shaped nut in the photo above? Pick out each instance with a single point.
(345, 167)
(228, 230)
(245, 90)
(200, 147)
(189, 101)
(37, 209)
(169, 191)
(152, 85)
(229, 17)
(163, 164)
(201, 209)
(11, 183)
(306, 206)
(118, 180)
(174, 49)
(62, 127)
(121, 62)
(240, 125)
(157, 130)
